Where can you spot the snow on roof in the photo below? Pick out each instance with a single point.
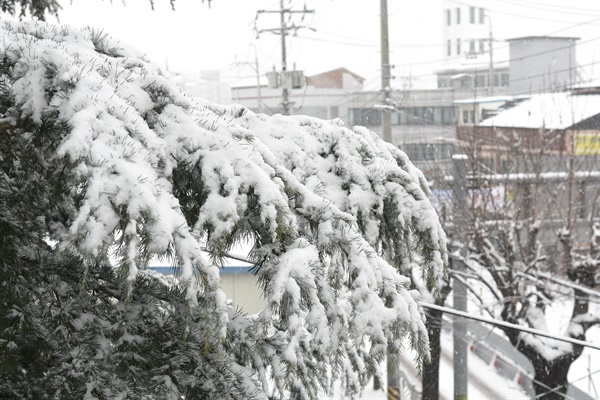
(530, 38)
(548, 110)
(489, 99)
(478, 64)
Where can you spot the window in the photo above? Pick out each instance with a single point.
(334, 112)
(365, 117)
(458, 47)
(480, 81)
(423, 115)
(481, 45)
(481, 15)
(449, 47)
(448, 17)
(428, 151)
(457, 16)
(504, 80)
(437, 115)
(447, 115)
(428, 114)
(468, 116)
(472, 15)
(472, 46)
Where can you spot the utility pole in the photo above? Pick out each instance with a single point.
(284, 78)
(393, 366)
(258, 88)
(282, 33)
(459, 289)
(385, 74)
(491, 78)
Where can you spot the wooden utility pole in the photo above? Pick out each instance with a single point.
(459, 289)
(491, 77)
(258, 88)
(385, 74)
(283, 31)
(393, 365)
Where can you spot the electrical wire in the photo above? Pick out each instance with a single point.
(533, 6)
(527, 16)
(508, 325)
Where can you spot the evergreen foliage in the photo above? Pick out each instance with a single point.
(38, 9)
(106, 165)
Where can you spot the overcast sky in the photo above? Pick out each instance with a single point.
(339, 33)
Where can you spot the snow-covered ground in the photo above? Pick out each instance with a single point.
(484, 382)
(585, 371)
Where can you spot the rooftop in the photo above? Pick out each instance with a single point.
(559, 110)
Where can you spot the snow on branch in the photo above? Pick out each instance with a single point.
(333, 214)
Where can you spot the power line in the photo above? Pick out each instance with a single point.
(547, 9)
(508, 325)
(527, 16)
(568, 8)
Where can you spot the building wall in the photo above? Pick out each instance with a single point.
(541, 64)
(243, 290)
(207, 85)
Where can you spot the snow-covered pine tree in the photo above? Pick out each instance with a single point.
(106, 164)
(40, 9)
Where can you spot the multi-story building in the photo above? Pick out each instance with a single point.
(466, 32)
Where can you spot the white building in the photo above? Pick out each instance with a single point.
(466, 32)
(206, 85)
(323, 95)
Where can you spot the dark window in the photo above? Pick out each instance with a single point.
(458, 47)
(481, 45)
(449, 47)
(366, 117)
(468, 116)
(447, 115)
(423, 115)
(457, 16)
(504, 80)
(480, 81)
(448, 17)
(334, 112)
(481, 15)
(472, 46)
(428, 151)
(472, 15)
(437, 115)
(427, 114)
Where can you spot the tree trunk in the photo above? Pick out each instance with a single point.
(431, 370)
(551, 376)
